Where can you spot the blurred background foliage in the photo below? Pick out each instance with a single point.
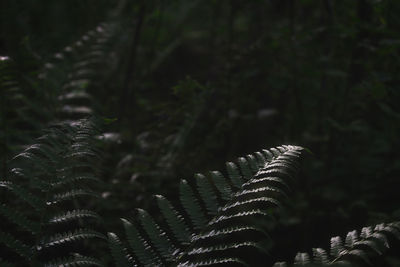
(193, 84)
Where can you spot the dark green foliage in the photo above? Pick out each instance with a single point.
(232, 228)
(188, 85)
(46, 177)
(365, 249)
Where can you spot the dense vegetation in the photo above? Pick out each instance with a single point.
(107, 109)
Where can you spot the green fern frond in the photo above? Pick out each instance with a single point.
(157, 236)
(140, 247)
(118, 252)
(192, 206)
(174, 219)
(301, 259)
(245, 230)
(71, 195)
(215, 262)
(254, 166)
(73, 215)
(358, 249)
(75, 260)
(226, 229)
(234, 174)
(222, 185)
(79, 234)
(207, 193)
(245, 168)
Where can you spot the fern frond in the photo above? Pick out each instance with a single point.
(245, 168)
(142, 250)
(72, 236)
(231, 229)
(207, 193)
(234, 174)
(70, 195)
(191, 205)
(73, 215)
(253, 163)
(224, 249)
(118, 251)
(358, 249)
(301, 259)
(174, 219)
(75, 260)
(245, 230)
(157, 236)
(214, 262)
(222, 185)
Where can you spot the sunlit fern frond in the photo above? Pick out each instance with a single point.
(224, 220)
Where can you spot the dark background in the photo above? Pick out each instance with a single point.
(193, 84)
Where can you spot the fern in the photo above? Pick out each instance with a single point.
(357, 250)
(39, 181)
(223, 220)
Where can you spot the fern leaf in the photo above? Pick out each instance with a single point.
(118, 251)
(207, 193)
(245, 230)
(73, 215)
(221, 184)
(75, 260)
(234, 175)
(215, 262)
(264, 202)
(280, 264)
(174, 219)
(245, 168)
(366, 232)
(351, 238)
(240, 215)
(268, 155)
(260, 180)
(320, 256)
(261, 191)
(224, 248)
(261, 160)
(157, 236)
(76, 235)
(301, 259)
(253, 163)
(191, 205)
(140, 247)
(70, 195)
(336, 246)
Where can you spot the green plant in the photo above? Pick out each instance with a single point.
(44, 198)
(364, 249)
(225, 221)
